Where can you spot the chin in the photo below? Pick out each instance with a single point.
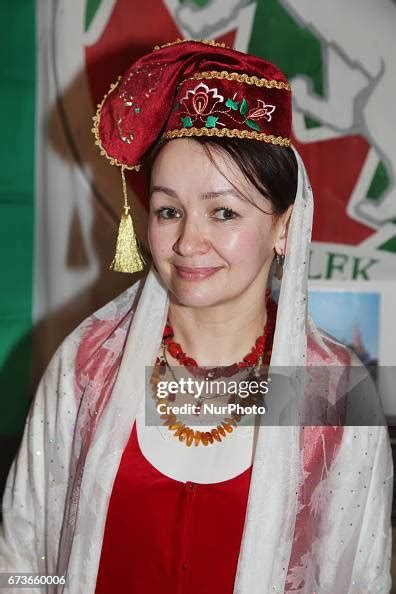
(195, 297)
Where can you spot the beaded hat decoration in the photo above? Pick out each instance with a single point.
(184, 89)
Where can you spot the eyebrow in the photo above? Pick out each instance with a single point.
(203, 196)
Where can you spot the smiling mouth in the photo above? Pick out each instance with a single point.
(197, 272)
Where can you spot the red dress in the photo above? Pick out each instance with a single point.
(167, 536)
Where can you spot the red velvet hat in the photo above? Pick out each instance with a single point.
(192, 88)
(189, 88)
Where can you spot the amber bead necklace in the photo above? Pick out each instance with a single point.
(258, 357)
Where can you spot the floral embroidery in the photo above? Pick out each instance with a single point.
(211, 121)
(200, 102)
(205, 106)
(187, 122)
(260, 111)
(244, 108)
(253, 125)
(265, 111)
(232, 104)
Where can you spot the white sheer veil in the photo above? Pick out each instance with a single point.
(272, 505)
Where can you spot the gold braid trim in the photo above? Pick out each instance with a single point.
(95, 130)
(242, 78)
(206, 41)
(180, 132)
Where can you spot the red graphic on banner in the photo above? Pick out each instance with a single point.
(333, 167)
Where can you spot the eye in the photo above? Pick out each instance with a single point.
(160, 212)
(229, 214)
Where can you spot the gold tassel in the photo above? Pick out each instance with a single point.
(127, 257)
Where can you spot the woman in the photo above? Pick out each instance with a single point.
(288, 504)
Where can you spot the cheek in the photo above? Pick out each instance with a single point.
(243, 245)
(159, 240)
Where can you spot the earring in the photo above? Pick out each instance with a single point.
(279, 261)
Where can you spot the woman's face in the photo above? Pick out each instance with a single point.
(208, 243)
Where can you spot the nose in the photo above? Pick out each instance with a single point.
(191, 239)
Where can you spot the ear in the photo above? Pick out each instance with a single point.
(281, 232)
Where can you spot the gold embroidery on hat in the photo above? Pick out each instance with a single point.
(95, 130)
(124, 137)
(206, 41)
(242, 78)
(180, 132)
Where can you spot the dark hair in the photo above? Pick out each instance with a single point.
(270, 168)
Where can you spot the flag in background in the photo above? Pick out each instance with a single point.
(17, 200)
(61, 200)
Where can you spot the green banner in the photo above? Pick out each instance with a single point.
(17, 106)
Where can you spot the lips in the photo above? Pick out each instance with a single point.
(196, 273)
